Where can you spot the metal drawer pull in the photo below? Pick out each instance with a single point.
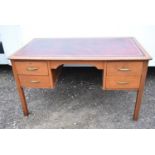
(33, 81)
(122, 82)
(124, 69)
(32, 68)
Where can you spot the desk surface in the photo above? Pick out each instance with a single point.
(82, 49)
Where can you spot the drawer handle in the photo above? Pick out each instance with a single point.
(122, 82)
(124, 69)
(32, 68)
(33, 81)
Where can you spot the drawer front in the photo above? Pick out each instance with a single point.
(31, 67)
(33, 81)
(117, 82)
(124, 68)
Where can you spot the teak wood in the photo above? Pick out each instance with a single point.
(123, 62)
(31, 67)
(124, 68)
(33, 81)
(123, 82)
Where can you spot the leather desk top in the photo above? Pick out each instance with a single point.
(82, 49)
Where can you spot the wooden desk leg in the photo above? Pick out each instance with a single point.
(23, 101)
(20, 92)
(140, 91)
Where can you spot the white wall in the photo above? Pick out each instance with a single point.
(11, 37)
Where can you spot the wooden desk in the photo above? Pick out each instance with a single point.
(123, 62)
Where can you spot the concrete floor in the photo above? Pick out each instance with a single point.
(77, 102)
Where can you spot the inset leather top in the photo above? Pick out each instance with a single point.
(82, 49)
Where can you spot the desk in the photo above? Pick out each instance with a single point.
(123, 62)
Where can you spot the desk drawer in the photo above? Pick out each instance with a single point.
(34, 81)
(31, 67)
(124, 68)
(117, 82)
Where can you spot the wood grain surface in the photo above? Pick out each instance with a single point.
(34, 81)
(124, 68)
(118, 82)
(32, 67)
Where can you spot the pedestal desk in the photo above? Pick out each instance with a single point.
(123, 62)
